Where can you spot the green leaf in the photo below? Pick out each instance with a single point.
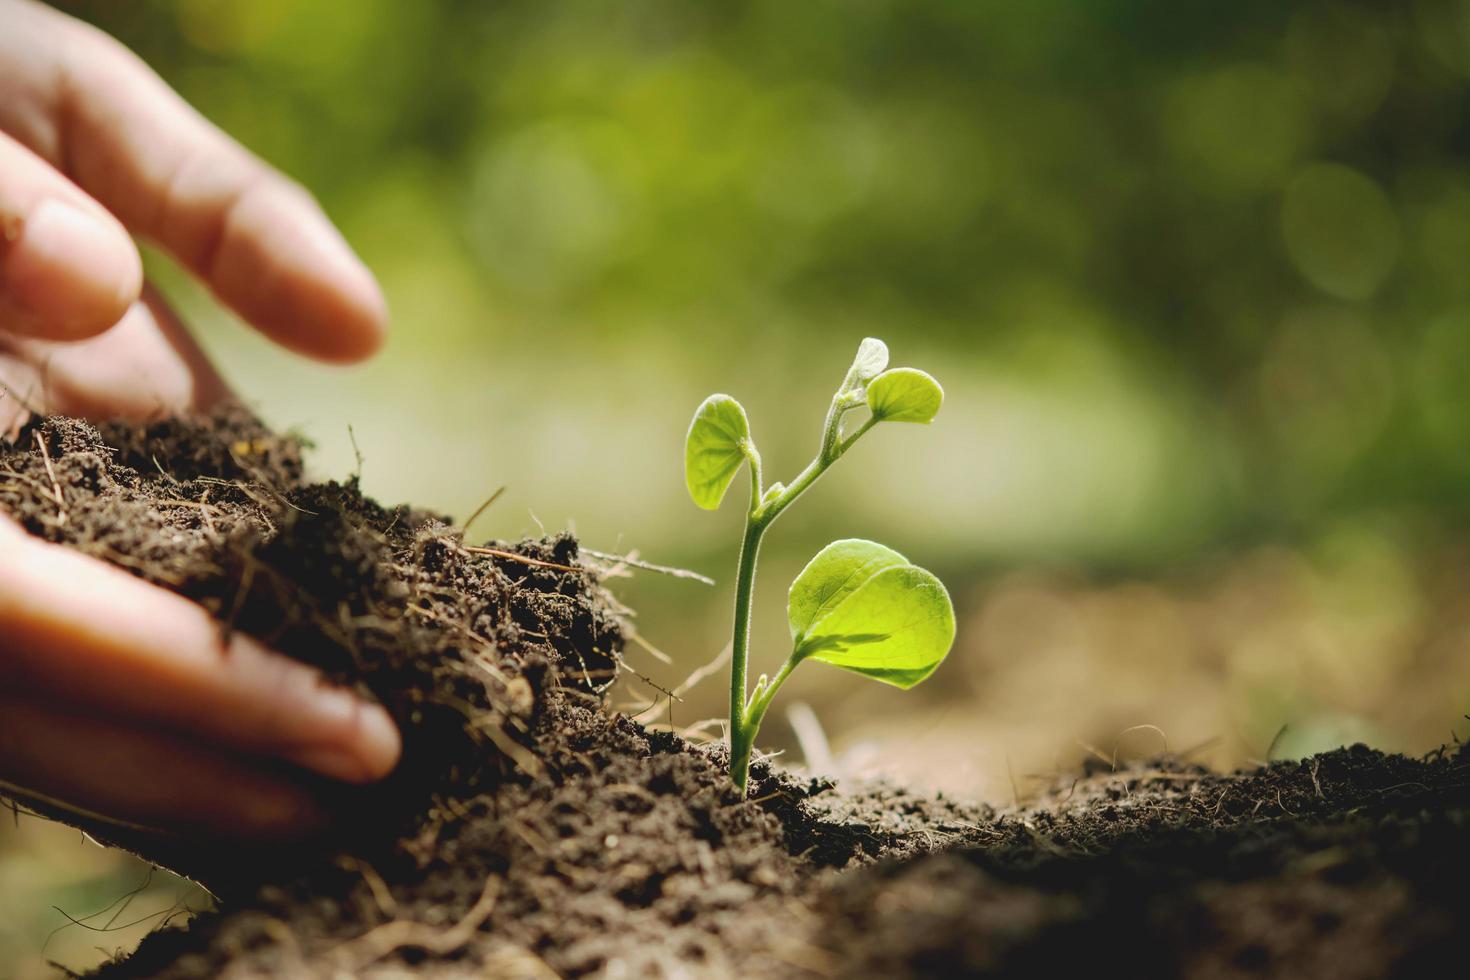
(718, 443)
(833, 575)
(872, 358)
(896, 628)
(904, 395)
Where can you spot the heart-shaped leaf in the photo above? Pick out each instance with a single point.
(718, 442)
(896, 627)
(833, 575)
(904, 395)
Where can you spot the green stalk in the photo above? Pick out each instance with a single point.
(746, 713)
(741, 737)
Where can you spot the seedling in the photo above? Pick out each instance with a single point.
(856, 605)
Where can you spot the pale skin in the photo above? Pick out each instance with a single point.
(116, 697)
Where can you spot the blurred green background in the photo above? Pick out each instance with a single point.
(1194, 276)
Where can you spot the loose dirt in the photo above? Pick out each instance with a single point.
(532, 831)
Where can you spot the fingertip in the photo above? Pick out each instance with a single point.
(382, 742)
(286, 269)
(332, 303)
(68, 272)
(359, 741)
(348, 318)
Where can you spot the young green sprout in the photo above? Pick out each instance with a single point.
(856, 605)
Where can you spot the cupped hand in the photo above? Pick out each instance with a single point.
(118, 698)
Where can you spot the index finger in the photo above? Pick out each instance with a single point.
(78, 634)
(261, 243)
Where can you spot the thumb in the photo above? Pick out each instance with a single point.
(68, 269)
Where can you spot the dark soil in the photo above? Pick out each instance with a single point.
(532, 831)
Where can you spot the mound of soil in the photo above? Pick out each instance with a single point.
(531, 831)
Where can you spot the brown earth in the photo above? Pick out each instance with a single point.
(532, 831)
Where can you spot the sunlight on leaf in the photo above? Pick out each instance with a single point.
(904, 395)
(833, 575)
(896, 627)
(718, 442)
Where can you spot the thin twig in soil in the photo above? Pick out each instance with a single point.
(356, 453)
(382, 896)
(699, 727)
(534, 840)
(377, 943)
(1275, 740)
(205, 509)
(705, 671)
(649, 566)
(694, 732)
(663, 694)
(161, 471)
(1093, 751)
(587, 675)
(768, 796)
(518, 753)
(487, 645)
(125, 899)
(636, 715)
(652, 650)
(481, 509)
(1397, 786)
(177, 906)
(22, 400)
(512, 556)
(202, 506)
(656, 686)
(1137, 728)
(51, 472)
(1283, 805)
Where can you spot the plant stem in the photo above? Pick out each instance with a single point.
(741, 738)
(756, 710)
(745, 718)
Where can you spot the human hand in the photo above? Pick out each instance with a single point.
(121, 699)
(115, 696)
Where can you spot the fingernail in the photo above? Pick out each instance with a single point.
(367, 750)
(69, 272)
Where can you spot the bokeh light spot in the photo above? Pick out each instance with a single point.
(1235, 128)
(1340, 230)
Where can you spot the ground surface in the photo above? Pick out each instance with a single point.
(533, 832)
